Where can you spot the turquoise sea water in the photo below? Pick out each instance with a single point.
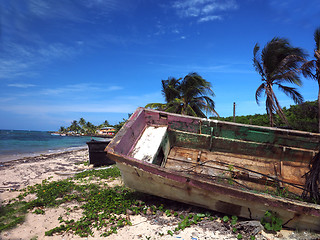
(15, 144)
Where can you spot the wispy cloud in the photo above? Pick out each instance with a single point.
(23, 60)
(218, 68)
(125, 104)
(105, 4)
(71, 10)
(209, 18)
(204, 10)
(32, 109)
(21, 85)
(25, 46)
(81, 87)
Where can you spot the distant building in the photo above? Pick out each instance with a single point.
(110, 131)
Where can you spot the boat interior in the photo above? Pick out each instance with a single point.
(253, 165)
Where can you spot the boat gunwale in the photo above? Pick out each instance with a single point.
(141, 109)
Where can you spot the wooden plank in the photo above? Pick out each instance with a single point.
(232, 166)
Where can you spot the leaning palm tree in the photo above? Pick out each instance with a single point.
(170, 91)
(189, 96)
(195, 93)
(278, 64)
(311, 68)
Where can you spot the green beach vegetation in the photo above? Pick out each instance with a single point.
(303, 117)
(105, 208)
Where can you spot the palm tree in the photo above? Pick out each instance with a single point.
(278, 63)
(170, 91)
(311, 68)
(62, 129)
(90, 127)
(82, 123)
(74, 126)
(188, 96)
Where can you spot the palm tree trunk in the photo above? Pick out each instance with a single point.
(270, 109)
(319, 104)
(280, 112)
(277, 106)
(271, 119)
(317, 74)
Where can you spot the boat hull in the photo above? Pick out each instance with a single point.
(294, 214)
(216, 148)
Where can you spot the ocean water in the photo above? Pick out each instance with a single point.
(15, 144)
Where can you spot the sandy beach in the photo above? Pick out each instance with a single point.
(19, 174)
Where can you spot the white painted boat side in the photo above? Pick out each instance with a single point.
(148, 145)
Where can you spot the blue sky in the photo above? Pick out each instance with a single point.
(101, 59)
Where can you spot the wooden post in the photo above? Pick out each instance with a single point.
(234, 112)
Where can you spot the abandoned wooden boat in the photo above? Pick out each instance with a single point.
(231, 168)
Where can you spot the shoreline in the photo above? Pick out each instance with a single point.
(24, 156)
(20, 173)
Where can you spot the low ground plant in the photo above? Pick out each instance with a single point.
(102, 208)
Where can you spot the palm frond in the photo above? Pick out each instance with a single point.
(157, 106)
(170, 88)
(292, 93)
(257, 61)
(289, 76)
(210, 106)
(191, 111)
(259, 91)
(291, 62)
(317, 39)
(308, 68)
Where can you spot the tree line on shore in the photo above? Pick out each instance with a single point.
(303, 117)
(278, 64)
(87, 128)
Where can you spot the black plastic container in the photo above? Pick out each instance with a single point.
(97, 155)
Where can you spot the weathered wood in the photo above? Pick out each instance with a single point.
(212, 164)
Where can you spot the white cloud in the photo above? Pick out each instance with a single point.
(24, 48)
(30, 109)
(222, 68)
(205, 10)
(81, 87)
(23, 60)
(21, 85)
(209, 18)
(56, 50)
(68, 9)
(117, 104)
